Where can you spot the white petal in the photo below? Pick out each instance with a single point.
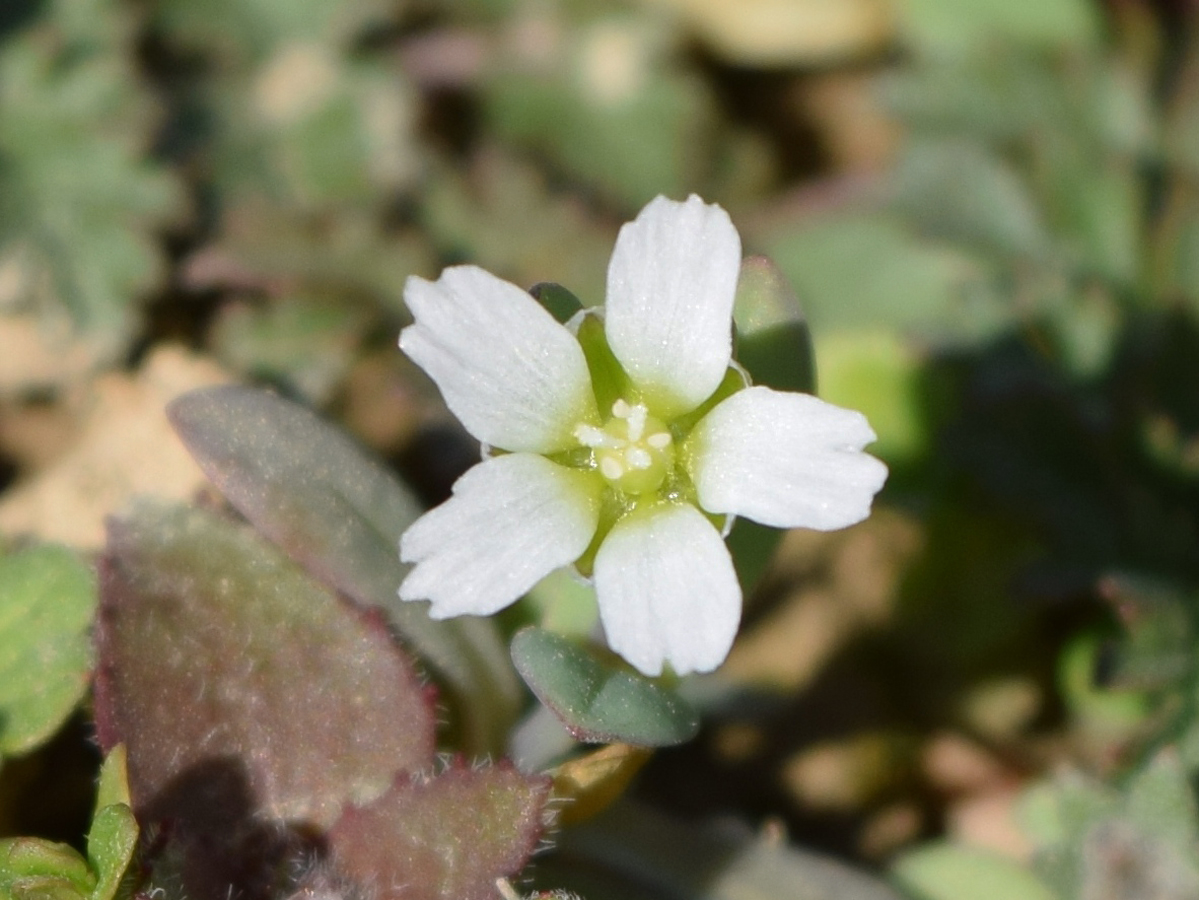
(669, 310)
(514, 377)
(512, 520)
(786, 460)
(667, 591)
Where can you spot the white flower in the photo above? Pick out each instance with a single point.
(625, 443)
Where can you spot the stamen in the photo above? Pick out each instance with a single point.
(611, 468)
(590, 436)
(637, 416)
(632, 450)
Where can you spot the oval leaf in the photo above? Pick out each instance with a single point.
(223, 667)
(31, 867)
(631, 850)
(47, 600)
(113, 835)
(339, 513)
(110, 845)
(595, 703)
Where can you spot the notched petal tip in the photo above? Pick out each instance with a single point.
(511, 521)
(671, 285)
(512, 375)
(785, 460)
(667, 591)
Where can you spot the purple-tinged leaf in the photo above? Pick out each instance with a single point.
(236, 682)
(339, 514)
(598, 703)
(444, 838)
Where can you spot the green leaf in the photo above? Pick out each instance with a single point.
(943, 871)
(864, 268)
(1096, 840)
(1116, 712)
(599, 704)
(315, 130)
(960, 191)
(443, 838)
(47, 601)
(305, 340)
(114, 779)
(959, 27)
(342, 255)
(879, 374)
(33, 869)
(339, 513)
(470, 215)
(1161, 801)
(633, 852)
(80, 205)
(1100, 211)
(240, 31)
(1157, 649)
(112, 839)
(110, 846)
(234, 679)
(633, 129)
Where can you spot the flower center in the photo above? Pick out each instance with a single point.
(633, 451)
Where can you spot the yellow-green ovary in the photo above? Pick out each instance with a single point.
(633, 451)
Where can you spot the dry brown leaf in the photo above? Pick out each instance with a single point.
(126, 447)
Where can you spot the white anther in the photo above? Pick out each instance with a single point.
(637, 458)
(637, 416)
(659, 441)
(621, 409)
(590, 436)
(611, 468)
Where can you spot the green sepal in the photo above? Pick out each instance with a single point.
(774, 343)
(557, 300)
(608, 378)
